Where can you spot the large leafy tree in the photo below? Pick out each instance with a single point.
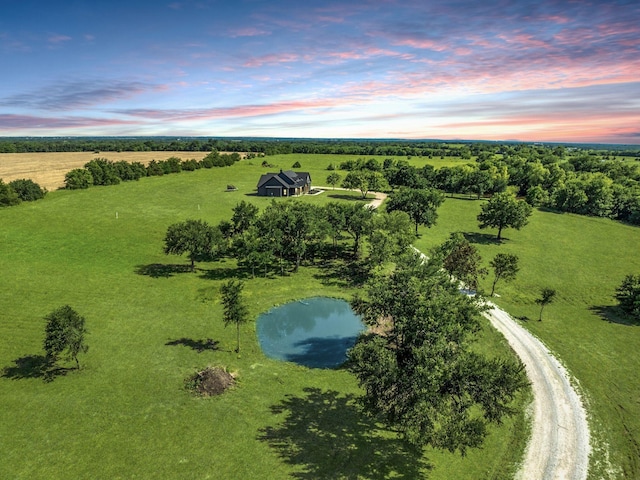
(64, 334)
(358, 223)
(196, 238)
(235, 311)
(505, 267)
(461, 260)
(503, 210)
(420, 204)
(366, 181)
(391, 236)
(244, 216)
(417, 369)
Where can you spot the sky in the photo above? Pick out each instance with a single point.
(535, 71)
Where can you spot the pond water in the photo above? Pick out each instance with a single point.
(315, 332)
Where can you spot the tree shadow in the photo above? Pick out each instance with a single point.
(614, 314)
(326, 435)
(197, 345)
(162, 270)
(349, 198)
(321, 352)
(338, 273)
(483, 238)
(34, 366)
(226, 273)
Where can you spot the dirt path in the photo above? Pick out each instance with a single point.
(559, 444)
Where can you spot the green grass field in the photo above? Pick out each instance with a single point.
(584, 259)
(126, 414)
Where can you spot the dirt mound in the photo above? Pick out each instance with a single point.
(210, 381)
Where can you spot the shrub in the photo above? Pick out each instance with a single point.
(296, 165)
(78, 178)
(8, 196)
(27, 190)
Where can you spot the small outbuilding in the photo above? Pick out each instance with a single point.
(284, 184)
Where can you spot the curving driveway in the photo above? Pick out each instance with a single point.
(559, 446)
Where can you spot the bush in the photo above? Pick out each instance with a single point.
(103, 172)
(8, 196)
(154, 169)
(78, 178)
(27, 190)
(190, 165)
(296, 165)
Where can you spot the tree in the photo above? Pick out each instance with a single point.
(244, 216)
(358, 222)
(462, 260)
(77, 179)
(235, 311)
(628, 294)
(333, 179)
(417, 367)
(391, 236)
(503, 210)
(27, 190)
(546, 297)
(366, 181)
(296, 165)
(8, 196)
(505, 266)
(196, 238)
(420, 204)
(64, 332)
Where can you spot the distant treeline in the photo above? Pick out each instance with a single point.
(583, 184)
(464, 150)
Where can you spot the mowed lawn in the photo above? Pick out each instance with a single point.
(584, 259)
(126, 413)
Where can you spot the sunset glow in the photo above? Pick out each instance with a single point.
(561, 71)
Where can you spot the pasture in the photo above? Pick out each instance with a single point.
(126, 413)
(584, 259)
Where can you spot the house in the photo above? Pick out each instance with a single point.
(284, 184)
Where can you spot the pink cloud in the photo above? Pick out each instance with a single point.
(272, 59)
(249, 32)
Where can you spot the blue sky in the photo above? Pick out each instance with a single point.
(543, 70)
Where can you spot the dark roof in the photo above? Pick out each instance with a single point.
(288, 178)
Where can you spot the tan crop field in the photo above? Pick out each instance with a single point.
(48, 169)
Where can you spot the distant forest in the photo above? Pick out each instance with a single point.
(431, 148)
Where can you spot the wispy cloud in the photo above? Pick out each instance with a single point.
(57, 39)
(78, 95)
(11, 122)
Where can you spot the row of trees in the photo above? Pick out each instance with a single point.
(101, 171)
(584, 184)
(287, 233)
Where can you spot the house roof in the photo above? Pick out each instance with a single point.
(288, 178)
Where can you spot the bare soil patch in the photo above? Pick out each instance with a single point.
(210, 381)
(48, 169)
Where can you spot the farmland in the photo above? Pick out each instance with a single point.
(126, 413)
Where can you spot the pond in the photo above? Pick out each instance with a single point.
(315, 332)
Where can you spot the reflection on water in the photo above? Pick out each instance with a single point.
(315, 332)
